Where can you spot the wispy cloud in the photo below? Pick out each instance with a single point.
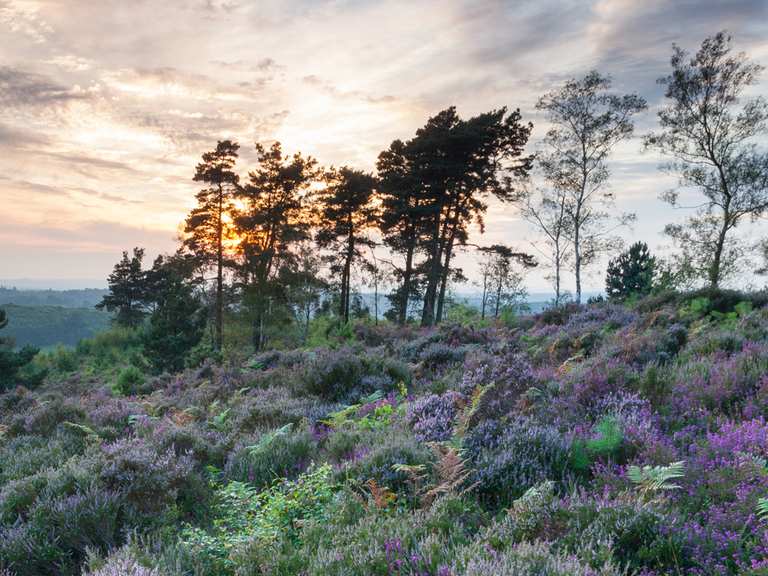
(106, 127)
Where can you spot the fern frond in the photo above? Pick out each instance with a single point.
(266, 440)
(762, 509)
(653, 479)
(451, 474)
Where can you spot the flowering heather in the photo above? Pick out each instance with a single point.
(448, 451)
(432, 417)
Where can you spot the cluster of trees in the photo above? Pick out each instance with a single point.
(258, 244)
(264, 240)
(708, 128)
(165, 301)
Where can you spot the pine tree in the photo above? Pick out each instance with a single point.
(631, 273)
(273, 220)
(457, 164)
(208, 225)
(178, 320)
(127, 291)
(402, 223)
(347, 214)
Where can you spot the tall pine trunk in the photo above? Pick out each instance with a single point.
(219, 272)
(433, 278)
(402, 314)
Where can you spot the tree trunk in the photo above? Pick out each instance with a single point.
(219, 272)
(444, 279)
(402, 314)
(345, 279)
(433, 278)
(557, 276)
(714, 269)
(498, 299)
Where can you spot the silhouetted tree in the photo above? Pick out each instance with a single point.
(275, 217)
(179, 317)
(631, 273)
(502, 283)
(456, 165)
(208, 224)
(403, 218)
(548, 212)
(347, 214)
(127, 290)
(709, 130)
(587, 123)
(12, 362)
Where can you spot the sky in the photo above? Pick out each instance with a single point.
(106, 107)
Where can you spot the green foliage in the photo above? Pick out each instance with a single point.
(650, 480)
(380, 416)
(327, 331)
(128, 381)
(762, 509)
(608, 444)
(631, 273)
(277, 454)
(109, 350)
(128, 291)
(178, 320)
(244, 517)
(16, 367)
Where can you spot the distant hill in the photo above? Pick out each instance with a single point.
(46, 326)
(80, 298)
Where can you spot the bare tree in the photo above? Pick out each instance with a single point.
(709, 131)
(547, 211)
(587, 123)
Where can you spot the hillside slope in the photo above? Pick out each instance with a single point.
(596, 440)
(46, 326)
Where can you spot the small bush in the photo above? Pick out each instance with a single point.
(128, 381)
(432, 416)
(260, 463)
(510, 457)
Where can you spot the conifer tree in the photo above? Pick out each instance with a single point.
(347, 214)
(209, 224)
(275, 217)
(631, 273)
(127, 290)
(178, 320)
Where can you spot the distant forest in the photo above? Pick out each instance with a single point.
(86, 298)
(45, 326)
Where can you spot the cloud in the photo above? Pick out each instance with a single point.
(73, 158)
(117, 121)
(20, 138)
(331, 90)
(30, 187)
(24, 18)
(19, 88)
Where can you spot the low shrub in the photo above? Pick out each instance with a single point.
(510, 457)
(432, 417)
(273, 455)
(128, 381)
